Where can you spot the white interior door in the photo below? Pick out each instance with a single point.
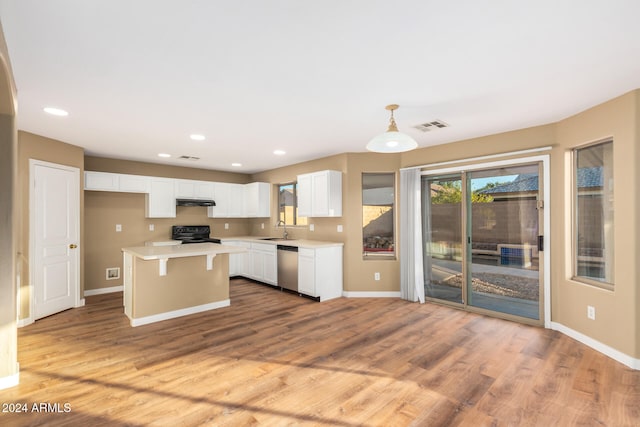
(54, 218)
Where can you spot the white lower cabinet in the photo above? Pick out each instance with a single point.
(264, 266)
(320, 272)
(319, 269)
(238, 263)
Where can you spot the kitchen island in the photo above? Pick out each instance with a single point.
(164, 282)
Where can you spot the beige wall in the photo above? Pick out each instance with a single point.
(37, 147)
(617, 311)
(9, 214)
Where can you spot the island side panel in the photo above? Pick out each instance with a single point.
(187, 284)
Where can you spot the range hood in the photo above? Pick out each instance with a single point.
(195, 202)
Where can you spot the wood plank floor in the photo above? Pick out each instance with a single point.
(275, 359)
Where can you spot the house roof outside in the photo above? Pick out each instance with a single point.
(528, 182)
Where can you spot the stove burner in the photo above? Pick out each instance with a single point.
(192, 234)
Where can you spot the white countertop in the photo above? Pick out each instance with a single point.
(300, 243)
(180, 251)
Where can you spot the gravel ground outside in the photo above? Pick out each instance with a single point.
(500, 284)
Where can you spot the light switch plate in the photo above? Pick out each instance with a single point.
(340, 229)
(152, 227)
(226, 225)
(118, 228)
(311, 227)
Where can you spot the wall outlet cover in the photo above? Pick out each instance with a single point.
(118, 228)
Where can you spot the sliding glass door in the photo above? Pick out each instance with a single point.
(502, 230)
(480, 239)
(442, 235)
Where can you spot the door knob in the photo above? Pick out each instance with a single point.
(73, 246)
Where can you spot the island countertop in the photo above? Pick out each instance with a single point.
(179, 251)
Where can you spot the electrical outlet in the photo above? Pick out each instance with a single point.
(311, 227)
(152, 227)
(591, 312)
(118, 228)
(262, 225)
(340, 229)
(226, 225)
(376, 276)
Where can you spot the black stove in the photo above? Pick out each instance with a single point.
(192, 234)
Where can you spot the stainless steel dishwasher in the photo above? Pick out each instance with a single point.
(288, 267)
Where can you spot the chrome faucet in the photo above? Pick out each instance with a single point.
(285, 235)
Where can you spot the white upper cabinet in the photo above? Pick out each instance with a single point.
(161, 199)
(232, 200)
(134, 183)
(106, 181)
(188, 189)
(228, 202)
(101, 181)
(304, 195)
(320, 194)
(257, 200)
(236, 202)
(241, 200)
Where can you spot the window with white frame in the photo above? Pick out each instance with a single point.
(593, 246)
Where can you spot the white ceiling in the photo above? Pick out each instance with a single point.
(308, 77)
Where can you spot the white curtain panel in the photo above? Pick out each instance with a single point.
(411, 269)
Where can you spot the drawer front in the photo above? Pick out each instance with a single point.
(305, 252)
(263, 247)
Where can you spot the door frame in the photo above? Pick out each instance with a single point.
(78, 301)
(544, 159)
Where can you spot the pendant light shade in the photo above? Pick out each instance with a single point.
(392, 141)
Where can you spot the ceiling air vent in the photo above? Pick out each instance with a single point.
(192, 158)
(433, 125)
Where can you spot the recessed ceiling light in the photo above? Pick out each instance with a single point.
(164, 155)
(196, 137)
(236, 165)
(55, 111)
(279, 152)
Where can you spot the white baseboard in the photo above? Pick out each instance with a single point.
(611, 352)
(179, 313)
(370, 294)
(100, 291)
(11, 380)
(24, 322)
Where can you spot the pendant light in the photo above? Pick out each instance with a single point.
(392, 141)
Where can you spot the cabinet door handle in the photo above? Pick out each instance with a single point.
(73, 246)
